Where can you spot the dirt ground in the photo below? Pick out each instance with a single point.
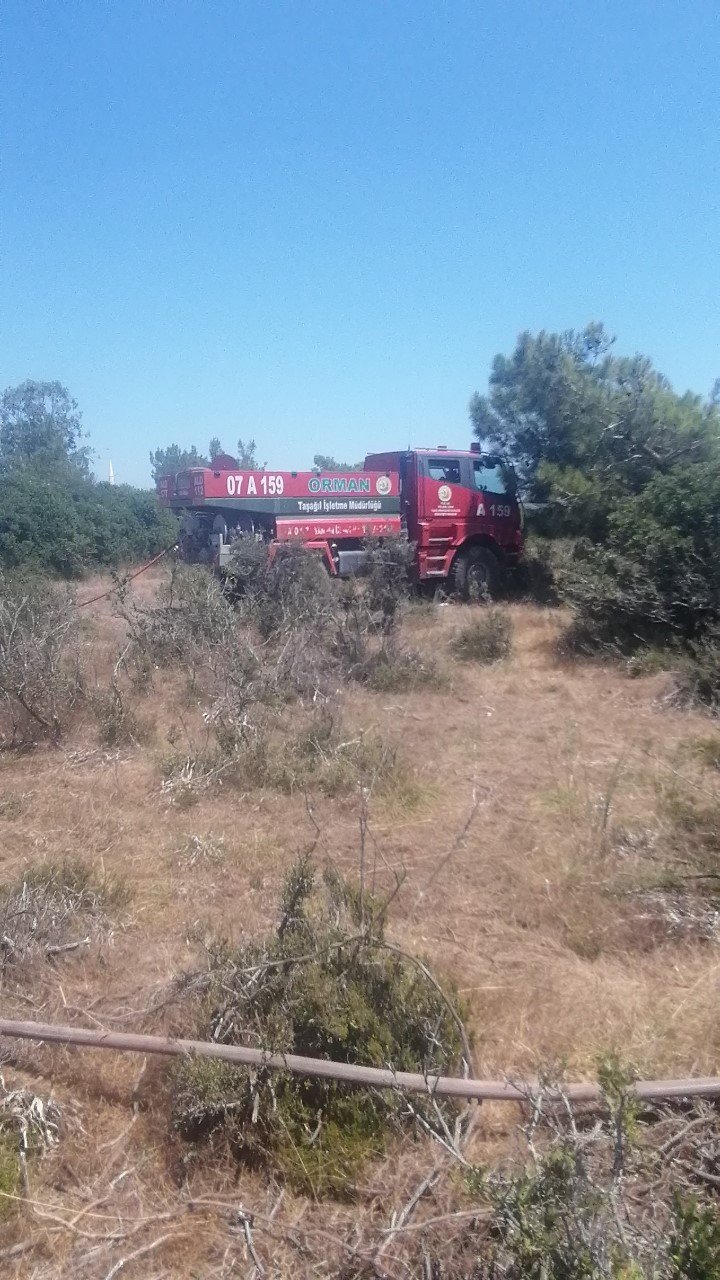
(540, 850)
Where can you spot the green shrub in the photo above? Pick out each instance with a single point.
(488, 638)
(10, 1178)
(247, 563)
(535, 578)
(694, 1249)
(697, 675)
(318, 755)
(62, 522)
(565, 1208)
(118, 723)
(323, 986)
(293, 590)
(192, 621)
(696, 820)
(652, 660)
(376, 658)
(657, 579)
(388, 565)
(616, 606)
(29, 1125)
(195, 627)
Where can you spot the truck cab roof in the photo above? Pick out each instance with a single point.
(391, 460)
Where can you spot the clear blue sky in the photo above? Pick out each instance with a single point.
(316, 221)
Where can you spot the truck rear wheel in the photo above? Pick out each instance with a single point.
(477, 575)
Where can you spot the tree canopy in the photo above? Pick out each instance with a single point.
(53, 516)
(586, 426)
(174, 458)
(247, 456)
(41, 426)
(324, 462)
(629, 471)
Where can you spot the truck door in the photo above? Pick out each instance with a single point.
(445, 503)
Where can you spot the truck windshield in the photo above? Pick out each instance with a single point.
(492, 476)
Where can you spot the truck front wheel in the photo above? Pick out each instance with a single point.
(477, 574)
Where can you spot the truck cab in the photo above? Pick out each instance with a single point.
(461, 510)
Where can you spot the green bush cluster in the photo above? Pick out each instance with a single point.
(656, 579)
(565, 1208)
(66, 523)
(694, 1248)
(536, 576)
(292, 590)
(323, 986)
(557, 1221)
(613, 460)
(53, 516)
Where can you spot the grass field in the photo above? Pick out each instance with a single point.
(552, 824)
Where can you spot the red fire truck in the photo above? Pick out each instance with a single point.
(458, 507)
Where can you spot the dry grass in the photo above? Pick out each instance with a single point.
(538, 827)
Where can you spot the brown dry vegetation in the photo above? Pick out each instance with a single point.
(540, 818)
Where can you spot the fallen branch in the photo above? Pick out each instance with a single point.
(137, 1253)
(16, 1250)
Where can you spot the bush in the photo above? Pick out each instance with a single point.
(318, 755)
(388, 565)
(187, 775)
(370, 652)
(707, 750)
(324, 986)
(567, 1208)
(195, 626)
(29, 1125)
(247, 563)
(62, 522)
(121, 524)
(535, 578)
(697, 674)
(10, 1176)
(694, 1249)
(366, 643)
(657, 579)
(292, 590)
(39, 674)
(117, 722)
(393, 669)
(55, 910)
(616, 605)
(488, 638)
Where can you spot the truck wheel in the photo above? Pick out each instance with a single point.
(477, 575)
